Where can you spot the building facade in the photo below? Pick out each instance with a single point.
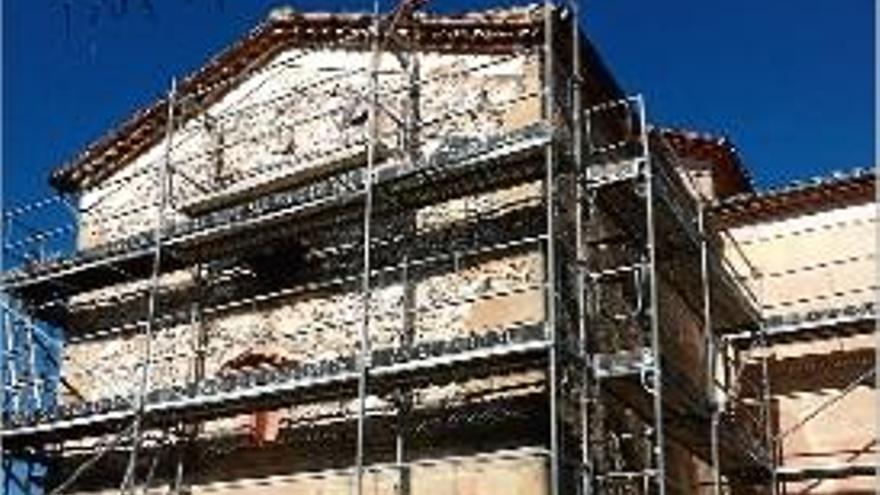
(420, 253)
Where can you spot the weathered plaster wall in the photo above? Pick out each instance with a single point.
(304, 109)
(244, 141)
(814, 262)
(515, 476)
(459, 295)
(809, 262)
(513, 472)
(447, 296)
(807, 376)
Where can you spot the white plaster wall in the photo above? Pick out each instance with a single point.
(816, 261)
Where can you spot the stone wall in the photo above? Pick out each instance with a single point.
(306, 110)
(263, 132)
(445, 294)
(302, 109)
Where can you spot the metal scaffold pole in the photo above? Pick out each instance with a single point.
(580, 173)
(163, 182)
(767, 396)
(4, 351)
(711, 348)
(653, 309)
(765, 399)
(550, 277)
(12, 366)
(767, 413)
(464, 191)
(372, 144)
(36, 390)
(4, 356)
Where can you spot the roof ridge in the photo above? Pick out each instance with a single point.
(722, 141)
(130, 135)
(833, 177)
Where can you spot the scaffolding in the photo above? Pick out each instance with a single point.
(629, 257)
(817, 315)
(640, 283)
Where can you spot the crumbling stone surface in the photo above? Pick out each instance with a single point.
(447, 294)
(258, 132)
(302, 110)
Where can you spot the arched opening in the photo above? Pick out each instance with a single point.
(264, 426)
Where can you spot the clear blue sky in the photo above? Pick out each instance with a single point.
(790, 81)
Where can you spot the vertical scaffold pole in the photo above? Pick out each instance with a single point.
(363, 362)
(404, 394)
(4, 315)
(129, 481)
(3, 391)
(3, 318)
(550, 277)
(766, 393)
(33, 373)
(580, 247)
(653, 303)
(766, 400)
(12, 366)
(711, 348)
